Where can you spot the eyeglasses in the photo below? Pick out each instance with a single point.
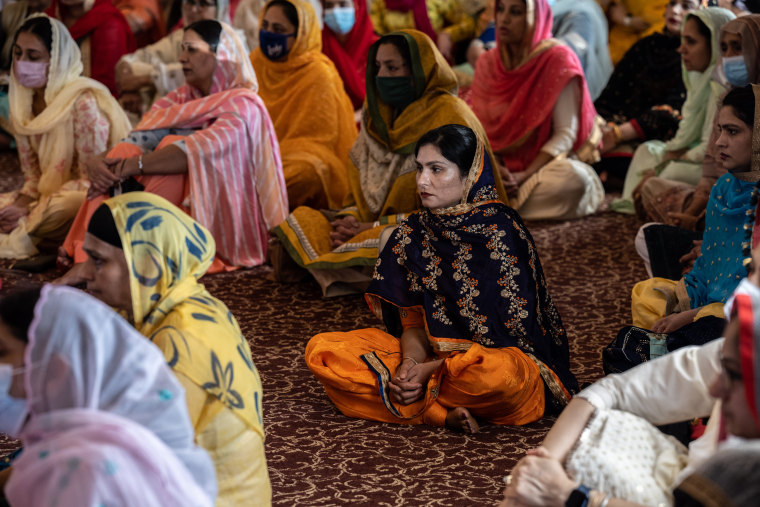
(201, 4)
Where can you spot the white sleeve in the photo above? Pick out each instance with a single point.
(564, 121)
(671, 388)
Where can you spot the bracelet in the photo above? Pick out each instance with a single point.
(411, 359)
(140, 165)
(597, 499)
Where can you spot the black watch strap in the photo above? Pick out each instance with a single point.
(579, 497)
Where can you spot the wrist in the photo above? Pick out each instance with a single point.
(411, 360)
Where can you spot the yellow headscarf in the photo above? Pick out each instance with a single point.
(167, 251)
(311, 113)
(65, 85)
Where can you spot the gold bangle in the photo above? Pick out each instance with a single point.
(411, 359)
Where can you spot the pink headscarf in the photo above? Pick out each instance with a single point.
(514, 95)
(108, 419)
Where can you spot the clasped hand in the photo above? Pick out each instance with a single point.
(103, 173)
(345, 228)
(408, 384)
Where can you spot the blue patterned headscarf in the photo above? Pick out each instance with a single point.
(167, 252)
(474, 270)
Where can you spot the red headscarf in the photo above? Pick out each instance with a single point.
(514, 96)
(351, 58)
(111, 38)
(419, 10)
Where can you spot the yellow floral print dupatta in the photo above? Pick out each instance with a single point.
(167, 252)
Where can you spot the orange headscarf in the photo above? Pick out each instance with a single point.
(312, 114)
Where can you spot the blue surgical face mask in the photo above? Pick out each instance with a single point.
(274, 45)
(735, 69)
(340, 19)
(13, 411)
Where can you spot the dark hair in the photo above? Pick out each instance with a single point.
(210, 30)
(17, 311)
(103, 226)
(39, 26)
(742, 101)
(289, 9)
(704, 31)
(456, 142)
(401, 44)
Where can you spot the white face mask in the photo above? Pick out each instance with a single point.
(13, 411)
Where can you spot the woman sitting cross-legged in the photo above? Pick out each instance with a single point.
(208, 146)
(102, 419)
(605, 439)
(60, 120)
(145, 257)
(530, 94)
(476, 335)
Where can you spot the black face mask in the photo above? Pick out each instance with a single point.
(396, 91)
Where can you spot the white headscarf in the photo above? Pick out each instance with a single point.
(87, 368)
(64, 87)
(232, 57)
(700, 86)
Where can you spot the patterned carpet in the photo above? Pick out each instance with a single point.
(319, 457)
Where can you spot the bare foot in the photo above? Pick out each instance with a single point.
(74, 276)
(460, 419)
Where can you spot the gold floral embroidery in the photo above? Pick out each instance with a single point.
(376, 275)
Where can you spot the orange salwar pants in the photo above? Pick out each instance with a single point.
(501, 386)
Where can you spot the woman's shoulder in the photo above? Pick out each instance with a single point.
(87, 102)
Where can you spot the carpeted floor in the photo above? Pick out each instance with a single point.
(317, 456)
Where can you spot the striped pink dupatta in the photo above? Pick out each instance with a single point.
(237, 188)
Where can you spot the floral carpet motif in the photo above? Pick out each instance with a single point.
(318, 457)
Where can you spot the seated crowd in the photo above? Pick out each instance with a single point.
(391, 148)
